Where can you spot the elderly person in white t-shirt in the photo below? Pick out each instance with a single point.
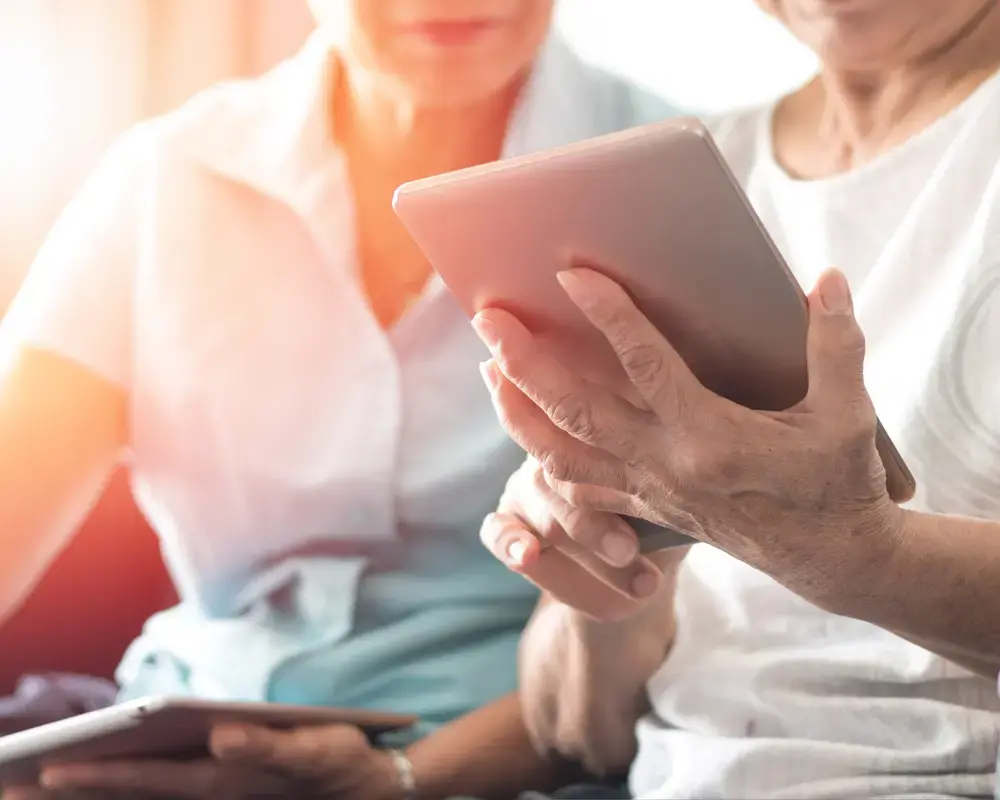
(821, 641)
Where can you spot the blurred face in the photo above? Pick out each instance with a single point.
(858, 35)
(439, 52)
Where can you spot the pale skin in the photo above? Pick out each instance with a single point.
(803, 497)
(409, 109)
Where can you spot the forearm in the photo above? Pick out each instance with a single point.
(486, 754)
(938, 588)
(583, 683)
(61, 433)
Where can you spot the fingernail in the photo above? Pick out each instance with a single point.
(516, 551)
(619, 548)
(835, 293)
(645, 584)
(486, 330)
(573, 283)
(489, 373)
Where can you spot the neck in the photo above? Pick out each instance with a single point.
(402, 141)
(855, 116)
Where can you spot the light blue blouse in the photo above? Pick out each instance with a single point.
(317, 483)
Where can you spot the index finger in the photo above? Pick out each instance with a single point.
(653, 366)
(158, 778)
(586, 411)
(567, 571)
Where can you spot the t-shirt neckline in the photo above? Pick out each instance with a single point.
(888, 161)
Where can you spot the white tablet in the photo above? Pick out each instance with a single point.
(161, 727)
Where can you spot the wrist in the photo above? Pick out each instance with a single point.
(865, 560)
(394, 777)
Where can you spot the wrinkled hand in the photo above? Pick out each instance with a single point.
(799, 494)
(584, 558)
(247, 762)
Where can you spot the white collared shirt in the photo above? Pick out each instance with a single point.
(282, 443)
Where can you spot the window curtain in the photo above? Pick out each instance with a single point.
(75, 73)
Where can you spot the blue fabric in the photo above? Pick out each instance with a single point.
(435, 636)
(434, 633)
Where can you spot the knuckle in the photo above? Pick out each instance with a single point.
(574, 521)
(686, 461)
(700, 463)
(615, 316)
(514, 365)
(856, 435)
(574, 416)
(577, 496)
(325, 735)
(635, 481)
(850, 333)
(857, 340)
(644, 363)
(558, 466)
(311, 751)
(581, 525)
(845, 342)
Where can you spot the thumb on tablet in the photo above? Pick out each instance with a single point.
(836, 347)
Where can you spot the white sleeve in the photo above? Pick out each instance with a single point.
(77, 299)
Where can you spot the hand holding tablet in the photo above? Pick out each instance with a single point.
(145, 742)
(657, 210)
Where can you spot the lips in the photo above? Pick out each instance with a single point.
(450, 33)
(826, 7)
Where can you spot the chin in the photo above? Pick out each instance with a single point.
(856, 54)
(456, 89)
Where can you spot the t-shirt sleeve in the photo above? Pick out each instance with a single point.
(77, 299)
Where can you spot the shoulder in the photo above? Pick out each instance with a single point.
(224, 115)
(192, 131)
(232, 121)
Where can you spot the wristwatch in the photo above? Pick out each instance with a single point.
(404, 772)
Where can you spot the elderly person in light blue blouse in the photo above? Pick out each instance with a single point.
(231, 302)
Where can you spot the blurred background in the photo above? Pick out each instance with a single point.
(73, 73)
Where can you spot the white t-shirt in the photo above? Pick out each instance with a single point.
(764, 695)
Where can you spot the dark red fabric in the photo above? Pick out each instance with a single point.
(93, 600)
